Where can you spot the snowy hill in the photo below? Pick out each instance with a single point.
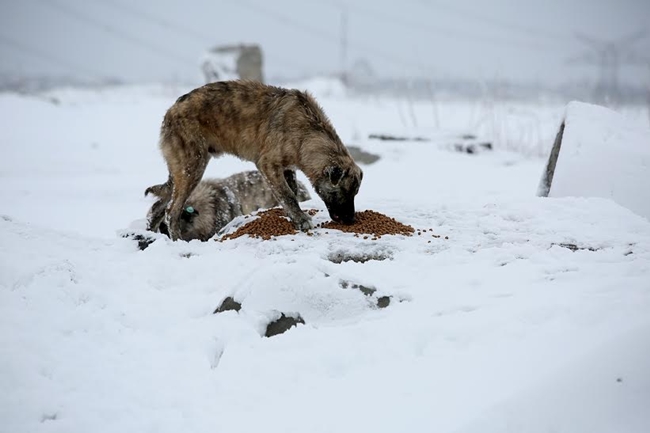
(530, 316)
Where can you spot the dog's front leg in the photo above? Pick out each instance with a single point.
(274, 175)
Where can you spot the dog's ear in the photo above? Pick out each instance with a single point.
(335, 173)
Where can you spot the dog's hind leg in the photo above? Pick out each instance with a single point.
(157, 214)
(187, 164)
(157, 211)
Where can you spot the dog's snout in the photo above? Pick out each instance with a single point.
(348, 219)
(342, 215)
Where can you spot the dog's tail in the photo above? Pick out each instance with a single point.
(161, 191)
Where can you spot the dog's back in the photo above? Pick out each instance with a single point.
(252, 191)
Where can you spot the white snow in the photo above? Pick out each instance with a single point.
(603, 154)
(497, 328)
(610, 395)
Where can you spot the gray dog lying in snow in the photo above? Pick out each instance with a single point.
(216, 202)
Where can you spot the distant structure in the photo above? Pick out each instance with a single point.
(360, 75)
(230, 62)
(609, 56)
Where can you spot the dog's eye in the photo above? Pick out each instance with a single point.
(335, 174)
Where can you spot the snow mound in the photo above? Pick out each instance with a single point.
(603, 154)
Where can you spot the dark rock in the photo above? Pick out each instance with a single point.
(228, 304)
(346, 256)
(574, 247)
(143, 240)
(282, 325)
(368, 291)
(388, 137)
(383, 301)
(472, 148)
(361, 156)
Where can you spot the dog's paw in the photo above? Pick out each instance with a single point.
(304, 223)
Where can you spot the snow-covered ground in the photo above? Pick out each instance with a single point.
(531, 317)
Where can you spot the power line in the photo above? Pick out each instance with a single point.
(287, 20)
(157, 20)
(441, 6)
(323, 35)
(97, 24)
(446, 32)
(42, 55)
(180, 29)
(609, 56)
(411, 25)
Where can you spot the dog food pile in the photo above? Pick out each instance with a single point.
(270, 223)
(372, 223)
(369, 224)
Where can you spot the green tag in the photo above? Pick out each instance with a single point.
(189, 209)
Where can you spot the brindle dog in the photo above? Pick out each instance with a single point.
(278, 129)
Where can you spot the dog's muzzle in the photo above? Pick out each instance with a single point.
(343, 216)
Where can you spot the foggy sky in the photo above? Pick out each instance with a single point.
(163, 40)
